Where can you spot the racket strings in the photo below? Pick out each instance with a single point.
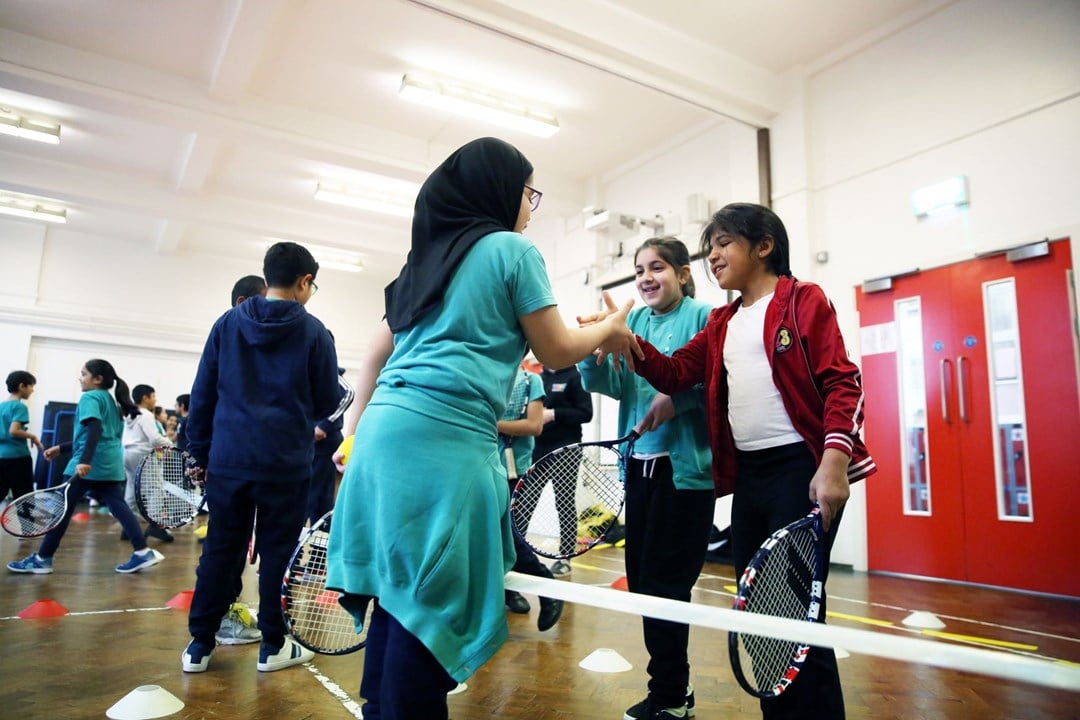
(33, 514)
(569, 500)
(316, 618)
(782, 586)
(165, 493)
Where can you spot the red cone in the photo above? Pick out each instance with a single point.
(181, 600)
(44, 609)
(620, 584)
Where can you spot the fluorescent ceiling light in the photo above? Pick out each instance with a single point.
(14, 123)
(34, 208)
(327, 257)
(396, 199)
(478, 104)
(353, 267)
(940, 196)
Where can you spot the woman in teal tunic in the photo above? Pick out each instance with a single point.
(421, 524)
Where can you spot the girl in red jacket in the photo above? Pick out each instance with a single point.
(784, 407)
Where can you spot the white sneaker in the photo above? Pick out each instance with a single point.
(560, 568)
(291, 653)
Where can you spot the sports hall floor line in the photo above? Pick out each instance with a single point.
(350, 705)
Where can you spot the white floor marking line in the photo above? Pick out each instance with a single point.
(94, 612)
(334, 689)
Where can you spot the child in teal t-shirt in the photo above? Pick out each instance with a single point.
(96, 466)
(16, 467)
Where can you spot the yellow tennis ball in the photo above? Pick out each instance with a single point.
(345, 449)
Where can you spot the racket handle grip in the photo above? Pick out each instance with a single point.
(511, 466)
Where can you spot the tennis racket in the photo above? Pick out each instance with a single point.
(785, 578)
(312, 613)
(36, 513)
(585, 481)
(253, 549)
(517, 406)
(164, 490)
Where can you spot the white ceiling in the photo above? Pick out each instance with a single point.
(203, 126)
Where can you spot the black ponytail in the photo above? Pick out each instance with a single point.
(104, 369)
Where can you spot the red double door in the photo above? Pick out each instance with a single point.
(973, 417)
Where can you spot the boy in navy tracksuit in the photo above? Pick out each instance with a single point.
(267, 372)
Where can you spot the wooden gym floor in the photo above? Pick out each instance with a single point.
(120, 634)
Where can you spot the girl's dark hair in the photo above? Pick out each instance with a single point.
(674, 253)
(19, 377)
(755, 223)
(109, 377)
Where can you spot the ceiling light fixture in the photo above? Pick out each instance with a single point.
(14, 123)
(479, 104)
(329, 258)
(397, 201)
(33, 208)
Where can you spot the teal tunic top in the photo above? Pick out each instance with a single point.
(422, 518)
(13, 447)
(683, 438)
(522, 445)
(108, 460)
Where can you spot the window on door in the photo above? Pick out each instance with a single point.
(1007, 400)
(912, 386)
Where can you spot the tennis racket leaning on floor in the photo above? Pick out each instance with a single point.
(35, 513)
(586, 479)
(312, 613)
(165, 492)
(785, 578)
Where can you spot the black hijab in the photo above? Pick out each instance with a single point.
(475, 192)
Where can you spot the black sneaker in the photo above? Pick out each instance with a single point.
(644, 710)
(641, 711)
(550, 612)
(159, 533)
(515, 603)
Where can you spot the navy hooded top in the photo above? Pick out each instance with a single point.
(267, 373)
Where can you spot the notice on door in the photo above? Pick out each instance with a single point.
(877, 339)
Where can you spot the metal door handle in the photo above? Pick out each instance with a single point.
(944, 391)
(960, 360)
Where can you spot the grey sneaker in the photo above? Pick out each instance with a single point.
(560, 568)
(238, 627)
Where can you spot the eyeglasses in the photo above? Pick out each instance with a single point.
(314, 287)
(534, 196)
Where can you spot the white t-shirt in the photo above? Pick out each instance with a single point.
(141, 433)
(756, 412)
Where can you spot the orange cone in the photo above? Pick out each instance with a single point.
(80, 517)
(181, 600)
(620, 584)
(44, 609)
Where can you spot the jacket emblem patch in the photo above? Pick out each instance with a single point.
(783, 340)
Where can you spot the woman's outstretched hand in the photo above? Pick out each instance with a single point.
(619, 341)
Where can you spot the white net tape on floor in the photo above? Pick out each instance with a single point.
(1060, 675)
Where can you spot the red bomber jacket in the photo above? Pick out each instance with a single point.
(820, 387)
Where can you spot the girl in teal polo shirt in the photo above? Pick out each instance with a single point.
(96, 466)
(669, 489)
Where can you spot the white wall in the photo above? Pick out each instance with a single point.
(66, 297)
(985, 88)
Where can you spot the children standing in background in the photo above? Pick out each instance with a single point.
(96, 466)
(517, 433)
(567, 406)
(140, 438)
(669, 493)
(784, 409)
(16, 467)
(422, 521)
(267, 373)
